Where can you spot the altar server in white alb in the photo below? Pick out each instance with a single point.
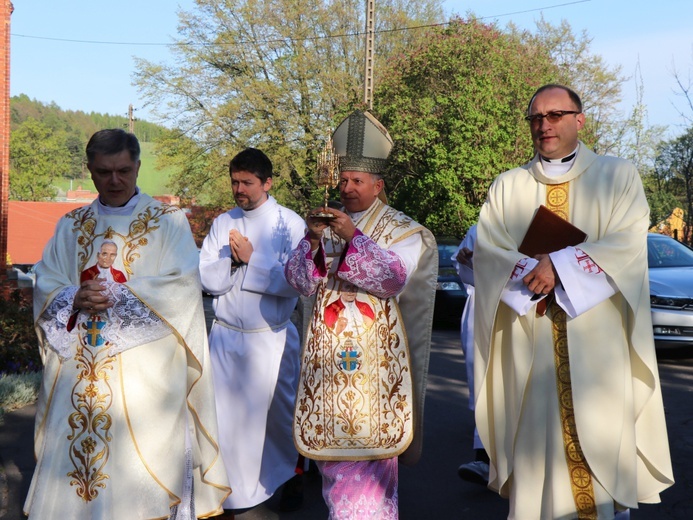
(254, 345)
(568, 402)
(125, 421)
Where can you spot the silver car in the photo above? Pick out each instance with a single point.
(670, 266)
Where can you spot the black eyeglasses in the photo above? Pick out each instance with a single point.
(552, 117)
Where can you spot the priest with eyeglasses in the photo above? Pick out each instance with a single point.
(568, 398)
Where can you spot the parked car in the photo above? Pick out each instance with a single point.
(450, 293)
(25, 278)
(670, 266)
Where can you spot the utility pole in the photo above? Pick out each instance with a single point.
(370, 41)
(131, 119)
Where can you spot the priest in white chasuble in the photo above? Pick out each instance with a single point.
(372, 269)
(253, 343)
(125, 425)
(568, 400)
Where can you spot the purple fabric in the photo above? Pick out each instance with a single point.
(372, 268)
(364, 263)
(360, 490)
(302, 271)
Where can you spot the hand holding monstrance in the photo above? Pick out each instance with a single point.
(327, 176)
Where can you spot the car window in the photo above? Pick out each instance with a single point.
(445, 252)
(667, 252)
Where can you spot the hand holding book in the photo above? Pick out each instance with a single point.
(548, 233)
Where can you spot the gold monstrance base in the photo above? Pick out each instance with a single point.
(323, 215)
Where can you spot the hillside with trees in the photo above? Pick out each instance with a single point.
(47, 144)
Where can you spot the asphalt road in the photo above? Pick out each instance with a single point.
(431, 489)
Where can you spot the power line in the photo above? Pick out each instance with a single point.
(359, 33)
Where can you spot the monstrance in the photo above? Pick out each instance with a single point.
(327, 175)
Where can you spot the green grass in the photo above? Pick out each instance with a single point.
(150, 180)
(18, 390)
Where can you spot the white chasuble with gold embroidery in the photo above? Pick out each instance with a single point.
(570, 410)
(355, 392)
(357, 395)
(127, 391)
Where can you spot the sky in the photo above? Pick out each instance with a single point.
(80, 54)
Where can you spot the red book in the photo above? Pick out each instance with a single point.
(548, 233)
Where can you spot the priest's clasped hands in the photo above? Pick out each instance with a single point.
(240, 246)
(91, 296)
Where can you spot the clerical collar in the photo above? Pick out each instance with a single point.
(565, 159)
(125, 209)
(557, 167)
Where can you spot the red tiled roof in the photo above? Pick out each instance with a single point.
(31, 225)
(80, 194)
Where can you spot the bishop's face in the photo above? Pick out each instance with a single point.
(358, 190)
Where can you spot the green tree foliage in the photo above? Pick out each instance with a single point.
(37, 156)
(273, 75)
(279, 76)
(455, 108)
(662, 202)
(674, 166)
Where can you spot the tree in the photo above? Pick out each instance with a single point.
(662, 202)
(274, 75)
(640, 143)
(685, 87)
(280, 75)
(455, 109)
(37, 156)
(675, 165)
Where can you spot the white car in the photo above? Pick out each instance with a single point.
(670, 266)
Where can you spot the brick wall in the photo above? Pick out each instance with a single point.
(5, 13)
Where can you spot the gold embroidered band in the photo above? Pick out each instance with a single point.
(579, 472)
(90, 422)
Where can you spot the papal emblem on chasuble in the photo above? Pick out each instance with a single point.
(354, 397)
